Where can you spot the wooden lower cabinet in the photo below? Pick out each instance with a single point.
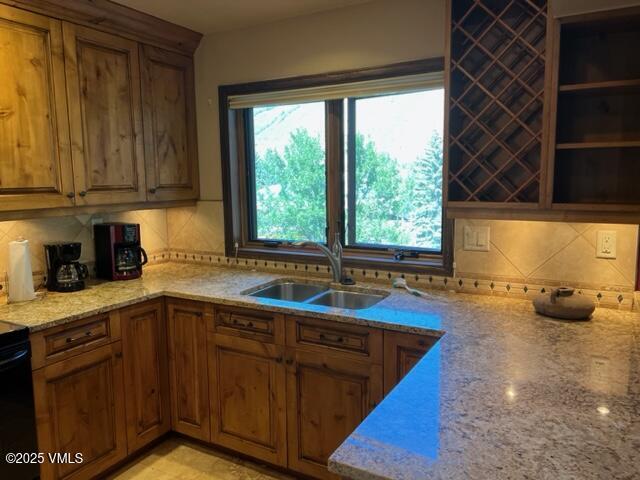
(80, 409)
(248, 401)
(108, 385)
(146, 372)
(328, 396)
(402, 351)
(188, 372)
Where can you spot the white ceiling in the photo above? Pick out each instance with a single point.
(208, 16)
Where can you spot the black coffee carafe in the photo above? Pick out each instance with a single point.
(64, 272)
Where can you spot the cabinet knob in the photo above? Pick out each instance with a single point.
(289, 361)
(71, 194)
(152, 190)
(83, 193)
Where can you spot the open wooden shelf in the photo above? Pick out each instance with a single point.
(497, 70)
(597, 150)
(583, 145)
(613, 85)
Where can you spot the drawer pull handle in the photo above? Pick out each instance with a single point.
(72, 339)
(243, 324)
(334, 339)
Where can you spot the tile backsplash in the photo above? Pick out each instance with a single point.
(542, 252)
(524, 257)
(153, 224)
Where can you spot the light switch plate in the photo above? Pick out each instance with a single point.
(476, 239)
(606, 244)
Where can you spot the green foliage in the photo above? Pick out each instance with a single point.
(426, 207)
(291, 191)
(379, 205)
(391, 209)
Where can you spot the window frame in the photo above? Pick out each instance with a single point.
(235, 130)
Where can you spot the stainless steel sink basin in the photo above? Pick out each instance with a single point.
(343, 299)
(290, 291)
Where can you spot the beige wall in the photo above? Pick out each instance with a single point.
(376, 33)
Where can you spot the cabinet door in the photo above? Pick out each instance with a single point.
(105, 112)
(80, 409)
(146, 373)
(328, 396)
(401, 353)
(35, 163)
(247, 392)
(170, 125)
(188, 368)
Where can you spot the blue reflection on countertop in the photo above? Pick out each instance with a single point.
(388, 423)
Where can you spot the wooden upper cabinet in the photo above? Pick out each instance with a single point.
(188, 371)
(170, 125)
(35, 164)
(79, 406)
(146, 375)
(103, 85)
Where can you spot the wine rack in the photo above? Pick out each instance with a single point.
(496, 83)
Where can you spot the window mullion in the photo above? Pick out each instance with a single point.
(351, 171)
(335, 168)
(250, 168)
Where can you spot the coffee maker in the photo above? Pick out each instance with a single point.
(64, 272)
(119, 254)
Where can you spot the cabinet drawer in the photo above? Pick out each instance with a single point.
(256, 324)
(315, 334)
(65, 341)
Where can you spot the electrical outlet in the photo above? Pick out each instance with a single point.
(606, 244)
(476, 239)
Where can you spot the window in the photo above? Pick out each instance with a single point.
(288, 191)
(394, 170)
(356, 154)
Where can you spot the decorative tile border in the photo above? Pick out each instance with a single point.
(603, 297)
(608, 298)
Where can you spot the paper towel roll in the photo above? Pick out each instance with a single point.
(20, 274)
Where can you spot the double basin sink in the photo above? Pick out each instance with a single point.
(317, 294)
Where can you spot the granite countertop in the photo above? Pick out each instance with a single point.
(504, 393)
(224, 286)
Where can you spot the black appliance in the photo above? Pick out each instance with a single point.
(64, 272)
(119, 254)
(17, 416)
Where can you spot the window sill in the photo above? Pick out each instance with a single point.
(432, 265)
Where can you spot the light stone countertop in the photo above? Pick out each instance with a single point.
(504, 394)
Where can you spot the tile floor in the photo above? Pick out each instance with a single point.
(177, 458)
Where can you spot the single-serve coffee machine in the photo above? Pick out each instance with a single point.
(64, 272)
(119, 254)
